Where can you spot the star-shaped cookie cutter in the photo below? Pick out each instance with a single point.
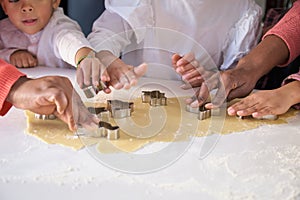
(119, 109)
(154, 98)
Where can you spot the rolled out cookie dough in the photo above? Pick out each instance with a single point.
(171, 123)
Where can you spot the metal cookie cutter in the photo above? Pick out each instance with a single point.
(44, 117)
(91, 91)
(101, 112)
(108, 131)
(154, 98)
(202, 112)
(119, 109)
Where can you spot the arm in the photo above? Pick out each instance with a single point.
(9, 75)
(110, 33)
(288, 29)
(240, 81)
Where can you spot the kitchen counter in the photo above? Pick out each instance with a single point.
(262, 163)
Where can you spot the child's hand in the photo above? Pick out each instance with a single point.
(23, 59)
(188, 67)
(121, 75)
(91, 71)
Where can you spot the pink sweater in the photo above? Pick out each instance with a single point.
(8, 76)
(288, 29)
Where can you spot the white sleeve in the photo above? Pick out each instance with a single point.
(242, 37)
(110, 32)
(68, 38)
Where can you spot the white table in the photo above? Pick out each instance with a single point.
(263, 163)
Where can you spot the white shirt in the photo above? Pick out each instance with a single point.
(218, 32)
(54, 46)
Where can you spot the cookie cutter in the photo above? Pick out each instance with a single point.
(101, 112)
(154, 98)
(91, 91)
(265, 117)
(105, 130)
(108, 131)
(202, 112)
(44, 117)
(119, 109)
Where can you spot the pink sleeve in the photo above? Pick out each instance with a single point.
(290, 78)
(288, 29)
(8, 76)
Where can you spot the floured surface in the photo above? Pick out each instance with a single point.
(147, 124)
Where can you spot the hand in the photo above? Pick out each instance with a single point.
(51, 95)
(202, 95)
(91, 71)
(233, 83)
(190, 70)
(125, 76)
(121, 74)
(23, 59)
(268, 102)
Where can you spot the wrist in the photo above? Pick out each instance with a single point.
(13, 94)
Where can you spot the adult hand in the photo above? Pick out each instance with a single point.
(23, 59)
(52, 95)
(233, 83)
(189, 68)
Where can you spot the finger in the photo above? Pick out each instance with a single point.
(104, 74)
(96, 71)
(191, 74)
(60, 99)
(187, 58)
(175, 58)
(31, 61)
(242, 108)
(263, 112)
(192, 66)
(19, 63)
(86, 68)
(140, 70)
(115, 83)
(202, 96)
(79, 77)
(194, 82)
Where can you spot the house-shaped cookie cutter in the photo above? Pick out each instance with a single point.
(119, 109)
(44, 117)
(91, 91)
(154, 98)
(202, 112)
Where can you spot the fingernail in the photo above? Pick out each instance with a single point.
(230, 111)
